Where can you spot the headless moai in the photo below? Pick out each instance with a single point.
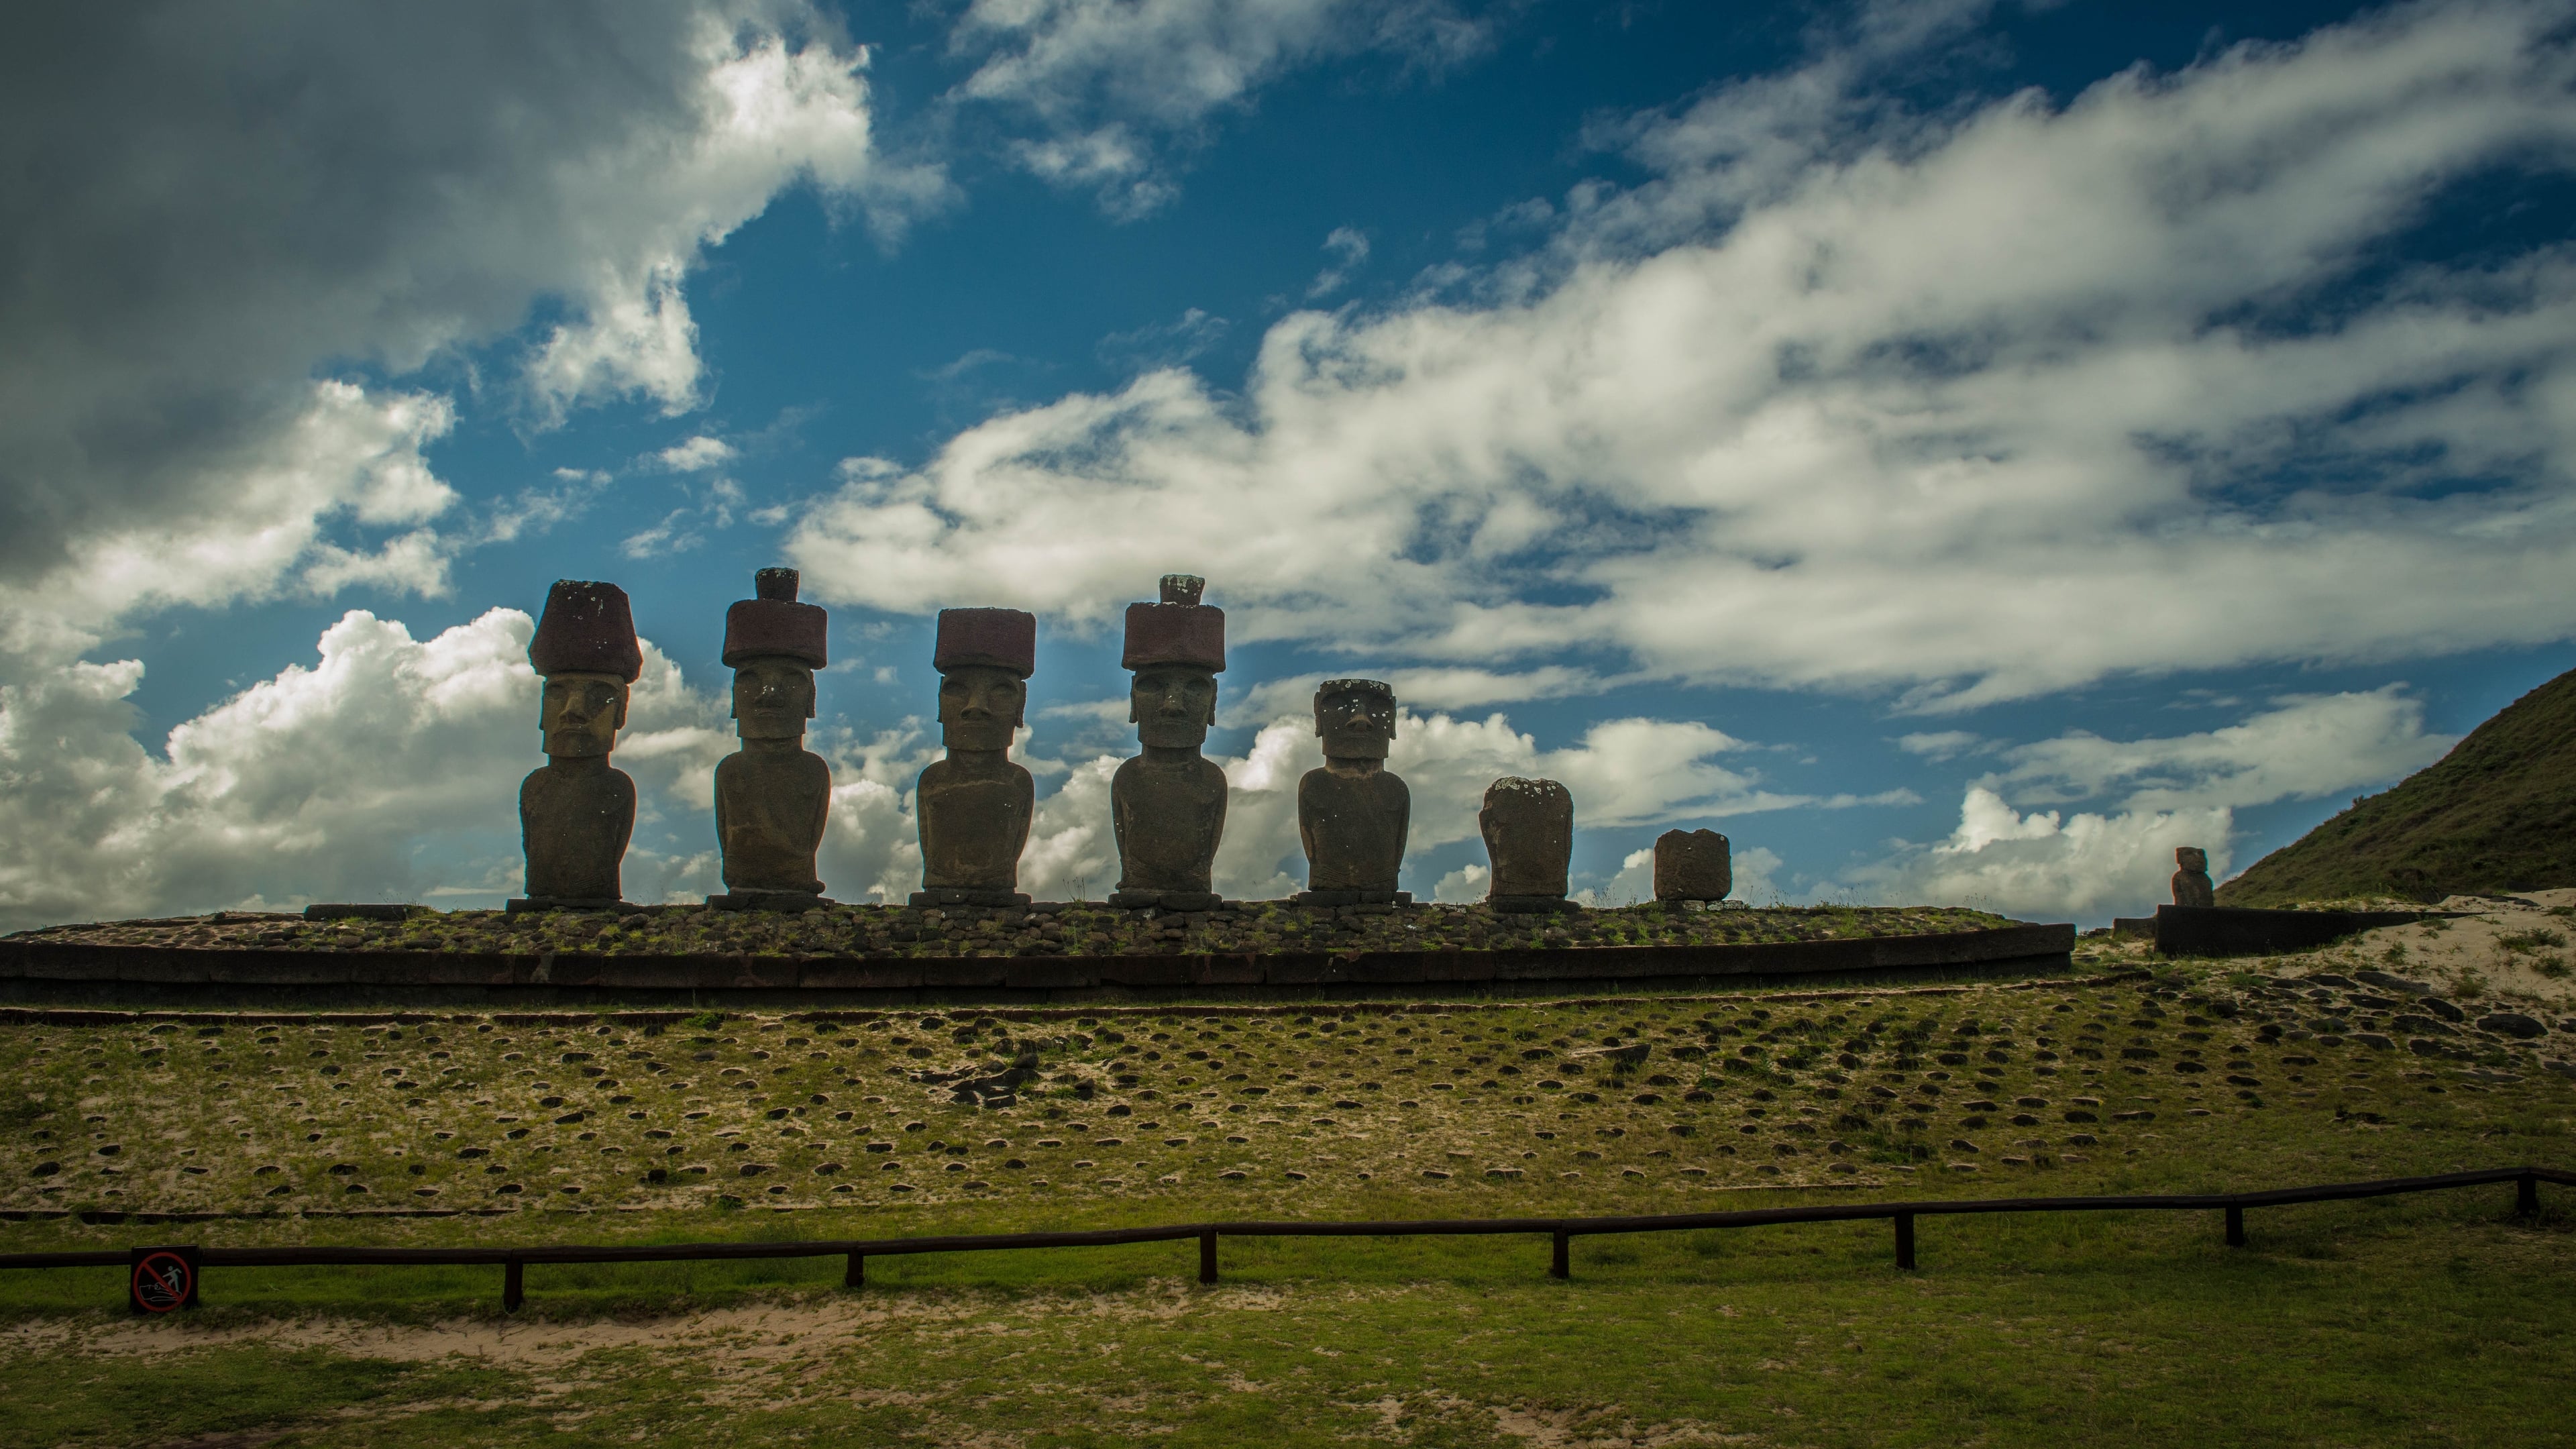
(974, 806)
(576, 812)
(1692, 865)
(1353, 814)
(1528, 827)
(2191, 884)
(1168, 804)
(773, 794)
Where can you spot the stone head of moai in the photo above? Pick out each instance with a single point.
(1353, 814)
(773, 644)
(1355, 718)
(773, 796)
(585, 649)
(1176, 649)
(973, 808)
(576, 811)
(2191, 884)
(984, 658)
(1167, 805)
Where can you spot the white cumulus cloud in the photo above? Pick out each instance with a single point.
(2008, 855)
(1975, 405)
(387, 769)
(220, 222)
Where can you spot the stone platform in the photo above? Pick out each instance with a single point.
(58, 970)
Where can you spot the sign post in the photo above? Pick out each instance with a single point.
(163, 1280)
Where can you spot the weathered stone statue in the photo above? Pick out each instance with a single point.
(576, 811)
(974, 806)
(1168, 804)
(773, 793)
(1692, 865)
(1529, 836)
(1352, 814)
(2191, 884)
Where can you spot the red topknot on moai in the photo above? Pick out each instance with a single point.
(1168, 804)
(772, 795)
(974, 806)
(576, 811)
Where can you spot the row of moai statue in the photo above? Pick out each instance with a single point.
(974, 806)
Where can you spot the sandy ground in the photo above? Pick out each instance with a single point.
(2501, 950)
(775, 1350)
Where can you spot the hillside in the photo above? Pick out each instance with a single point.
(2498, 813)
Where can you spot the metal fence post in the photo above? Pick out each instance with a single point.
(2526, 1195)
(1562, 1266)
(2236, 1227)
(513, 1286)
(1207, 1256)
(1905, 1240)
(857, 1274)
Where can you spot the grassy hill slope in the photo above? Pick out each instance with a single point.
(2498, 813)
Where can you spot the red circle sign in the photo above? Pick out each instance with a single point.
(162, 1282)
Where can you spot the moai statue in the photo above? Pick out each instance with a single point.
(1168, 804)
(974, 806)
(773, 793)
(577, 811)
(1352, 814)
(1692, 867)
(2191, 886)
(1529, 836)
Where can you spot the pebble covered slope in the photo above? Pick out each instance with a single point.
(1046, 929)
(1152, 1113)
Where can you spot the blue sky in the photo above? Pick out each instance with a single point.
(1961, 451)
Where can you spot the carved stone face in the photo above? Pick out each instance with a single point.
(1172, 706)
(2192, 857)
(581, 714)
(1356, 724)
(979, 707)
(773, 696)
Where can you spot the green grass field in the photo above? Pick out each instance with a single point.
(2438, 1320)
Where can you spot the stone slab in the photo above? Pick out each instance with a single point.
(863, 978)
(2249, 931)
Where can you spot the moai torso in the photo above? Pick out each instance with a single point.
(575, 815)
(1528, 827)
(771, 804)
(1353, 823)
(974, 809)
(1692, 865)
(1169, 815)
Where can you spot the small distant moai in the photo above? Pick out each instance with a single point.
(974, 806)
(1693, 865)
(1168, 804)
(772, 794)
(1352, 815)
(2191, 884)
(1529, 836)
(576, 812)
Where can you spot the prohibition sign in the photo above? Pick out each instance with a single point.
(162, 1281)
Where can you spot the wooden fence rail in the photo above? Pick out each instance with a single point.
(1560, 1231)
